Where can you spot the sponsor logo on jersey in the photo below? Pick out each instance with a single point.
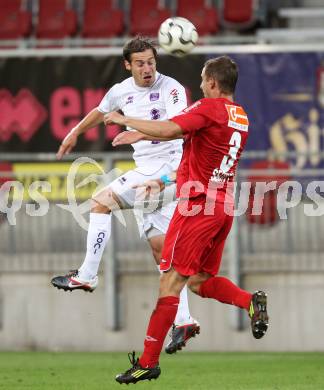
(155, 142)
(130, 99)
(155, 114)
(220, 176)
(237, 118)
(175, 96)
(154, 96)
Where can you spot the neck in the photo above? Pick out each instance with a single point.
(220, 95)
(228, 97)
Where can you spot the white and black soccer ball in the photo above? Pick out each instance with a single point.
(177, 36)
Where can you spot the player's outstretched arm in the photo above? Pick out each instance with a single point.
(158, 129)
(127, 138)
(131, 137)
(90, 120)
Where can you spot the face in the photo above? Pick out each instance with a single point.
(142, 67)
(209, 86)
(204, 84)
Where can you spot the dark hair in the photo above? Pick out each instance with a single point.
(137, 45)
(225, 71)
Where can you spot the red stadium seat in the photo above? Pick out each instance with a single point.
(146, 17)
(101, 20)
(204, 18)
(238, 12)
(5, 168)
(55, 20)
(14, 22)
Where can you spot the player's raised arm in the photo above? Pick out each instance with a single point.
(93, 118)
(158, 129)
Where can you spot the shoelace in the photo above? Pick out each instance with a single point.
(133, 362)
(72, 272)
(172, 330)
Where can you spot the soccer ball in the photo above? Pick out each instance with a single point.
(177, 36)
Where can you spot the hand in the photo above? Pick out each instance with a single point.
(67, 144)
(151, 186)
(114, 117)
(127, 138)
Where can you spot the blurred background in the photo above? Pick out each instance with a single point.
(57, 60)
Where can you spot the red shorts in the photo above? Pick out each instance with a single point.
(195, 244)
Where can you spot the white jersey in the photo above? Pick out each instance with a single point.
(163, 100)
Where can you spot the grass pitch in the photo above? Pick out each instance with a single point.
(183, 371)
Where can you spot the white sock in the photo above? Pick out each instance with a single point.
(98, 235)
(183, 314)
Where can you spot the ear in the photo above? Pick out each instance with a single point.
(127, 65)
(212, 83)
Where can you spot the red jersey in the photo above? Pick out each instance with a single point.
(216, 131)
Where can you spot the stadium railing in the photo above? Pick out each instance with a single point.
(284, 237)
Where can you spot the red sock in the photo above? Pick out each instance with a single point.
(225, 291)
(160, 322)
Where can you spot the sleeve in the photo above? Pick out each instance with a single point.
(175, 98)
(109, 102)
(194, 118)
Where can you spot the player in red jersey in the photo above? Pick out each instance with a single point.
(215, 131)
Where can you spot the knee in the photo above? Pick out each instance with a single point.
(99, 208)
(163, 290)
(194, 285)
(171, 283)
(104, 202)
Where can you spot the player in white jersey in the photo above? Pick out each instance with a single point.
(147, 94)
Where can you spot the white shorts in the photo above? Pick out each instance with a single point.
(153, 216)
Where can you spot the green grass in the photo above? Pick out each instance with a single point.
(184, 371)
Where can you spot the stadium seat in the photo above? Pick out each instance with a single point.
(146, 20)
(101, 19)
(238, 12)
(55, 20)
(203, 17)
(5, 170)
(14, 22)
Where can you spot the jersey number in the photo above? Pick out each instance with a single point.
(228, 160)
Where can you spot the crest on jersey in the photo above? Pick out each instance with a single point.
(155, 114)
(154, 96)
(130, 99)
(237, 118)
